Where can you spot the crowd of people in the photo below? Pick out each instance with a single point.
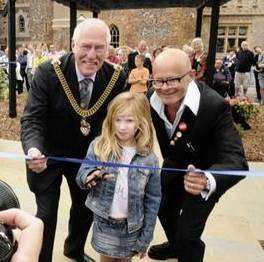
(232, 72)
(28, 58)
(106, 104)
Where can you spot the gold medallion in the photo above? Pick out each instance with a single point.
(85, 127)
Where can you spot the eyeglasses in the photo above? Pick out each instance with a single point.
(97, 48)
(170, 82)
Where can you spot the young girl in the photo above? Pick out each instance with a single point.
(125, 201)
(139, 76)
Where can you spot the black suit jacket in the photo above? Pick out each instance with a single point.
(49, 122)
(210, 142)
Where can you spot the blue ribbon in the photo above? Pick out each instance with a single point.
(250, 173)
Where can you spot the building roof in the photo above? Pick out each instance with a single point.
(99, 5)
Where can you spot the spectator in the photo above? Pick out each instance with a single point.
(22, 60)
(230, 61)
(198, 59)
(221, 78)
(112, 56)
(244, 61)
(257, 54)
(139, 76)
(142, 50)
(261, 76)
(188, 50)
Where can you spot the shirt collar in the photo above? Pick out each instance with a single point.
(81, 77)
(191, 99)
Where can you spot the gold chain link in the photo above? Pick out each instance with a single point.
(80, 111)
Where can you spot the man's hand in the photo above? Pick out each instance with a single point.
(95, 177)
(38, 162)
(30, 240)
(194, 182)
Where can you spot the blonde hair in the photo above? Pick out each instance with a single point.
(197, 41)
(108, 144)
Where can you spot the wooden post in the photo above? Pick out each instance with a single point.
(73, 19)
(95, 14)
(199, 20)
(213, 40)
(12, 57)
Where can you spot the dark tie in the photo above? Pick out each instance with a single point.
(86, 86)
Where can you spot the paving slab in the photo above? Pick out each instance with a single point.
(231, 234)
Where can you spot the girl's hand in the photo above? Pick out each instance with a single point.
(95, 177)
(141, 255)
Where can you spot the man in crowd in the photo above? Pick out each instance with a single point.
(67, 103)
(221, 78)
(141, 50)
(244, 61)
(195, 131)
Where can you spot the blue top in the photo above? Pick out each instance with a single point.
(144, 194)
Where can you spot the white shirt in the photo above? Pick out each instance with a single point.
(81, 77)
(119, 208)
(191, 100)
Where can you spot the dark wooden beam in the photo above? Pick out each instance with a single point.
(213, 40)
(12, 57)
(73, 19)
(95, 14)
(199, 20)
(135, 4)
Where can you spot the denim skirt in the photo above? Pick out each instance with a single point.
(111, 238)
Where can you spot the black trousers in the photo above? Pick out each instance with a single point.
(183, 217)
(25, 77)
(80, 217)
(257, 85)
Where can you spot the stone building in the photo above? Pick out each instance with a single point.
(47, 21)
(157, 26)
(239, 20)
(33, 22)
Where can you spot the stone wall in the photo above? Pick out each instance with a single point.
(40, 22)
(157, 26)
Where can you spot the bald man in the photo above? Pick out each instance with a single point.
(66, 107)
(195, 131)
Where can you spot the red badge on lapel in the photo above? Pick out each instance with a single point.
(182, 129)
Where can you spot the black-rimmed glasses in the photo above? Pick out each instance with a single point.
(170, 82)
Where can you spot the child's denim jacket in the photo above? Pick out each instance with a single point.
(144, 194)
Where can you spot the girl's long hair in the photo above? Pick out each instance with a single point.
(138, 105)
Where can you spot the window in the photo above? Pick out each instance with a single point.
(114, 36)
(230, 36)
(255, 3)
(239, 3)
(21, 24)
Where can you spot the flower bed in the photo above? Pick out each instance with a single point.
(243, 109)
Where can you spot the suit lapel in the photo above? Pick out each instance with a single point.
(188, 119)
(100, 83)
(71, 77)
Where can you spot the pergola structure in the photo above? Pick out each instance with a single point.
(96, 6)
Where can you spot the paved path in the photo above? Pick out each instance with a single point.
(232, 232)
